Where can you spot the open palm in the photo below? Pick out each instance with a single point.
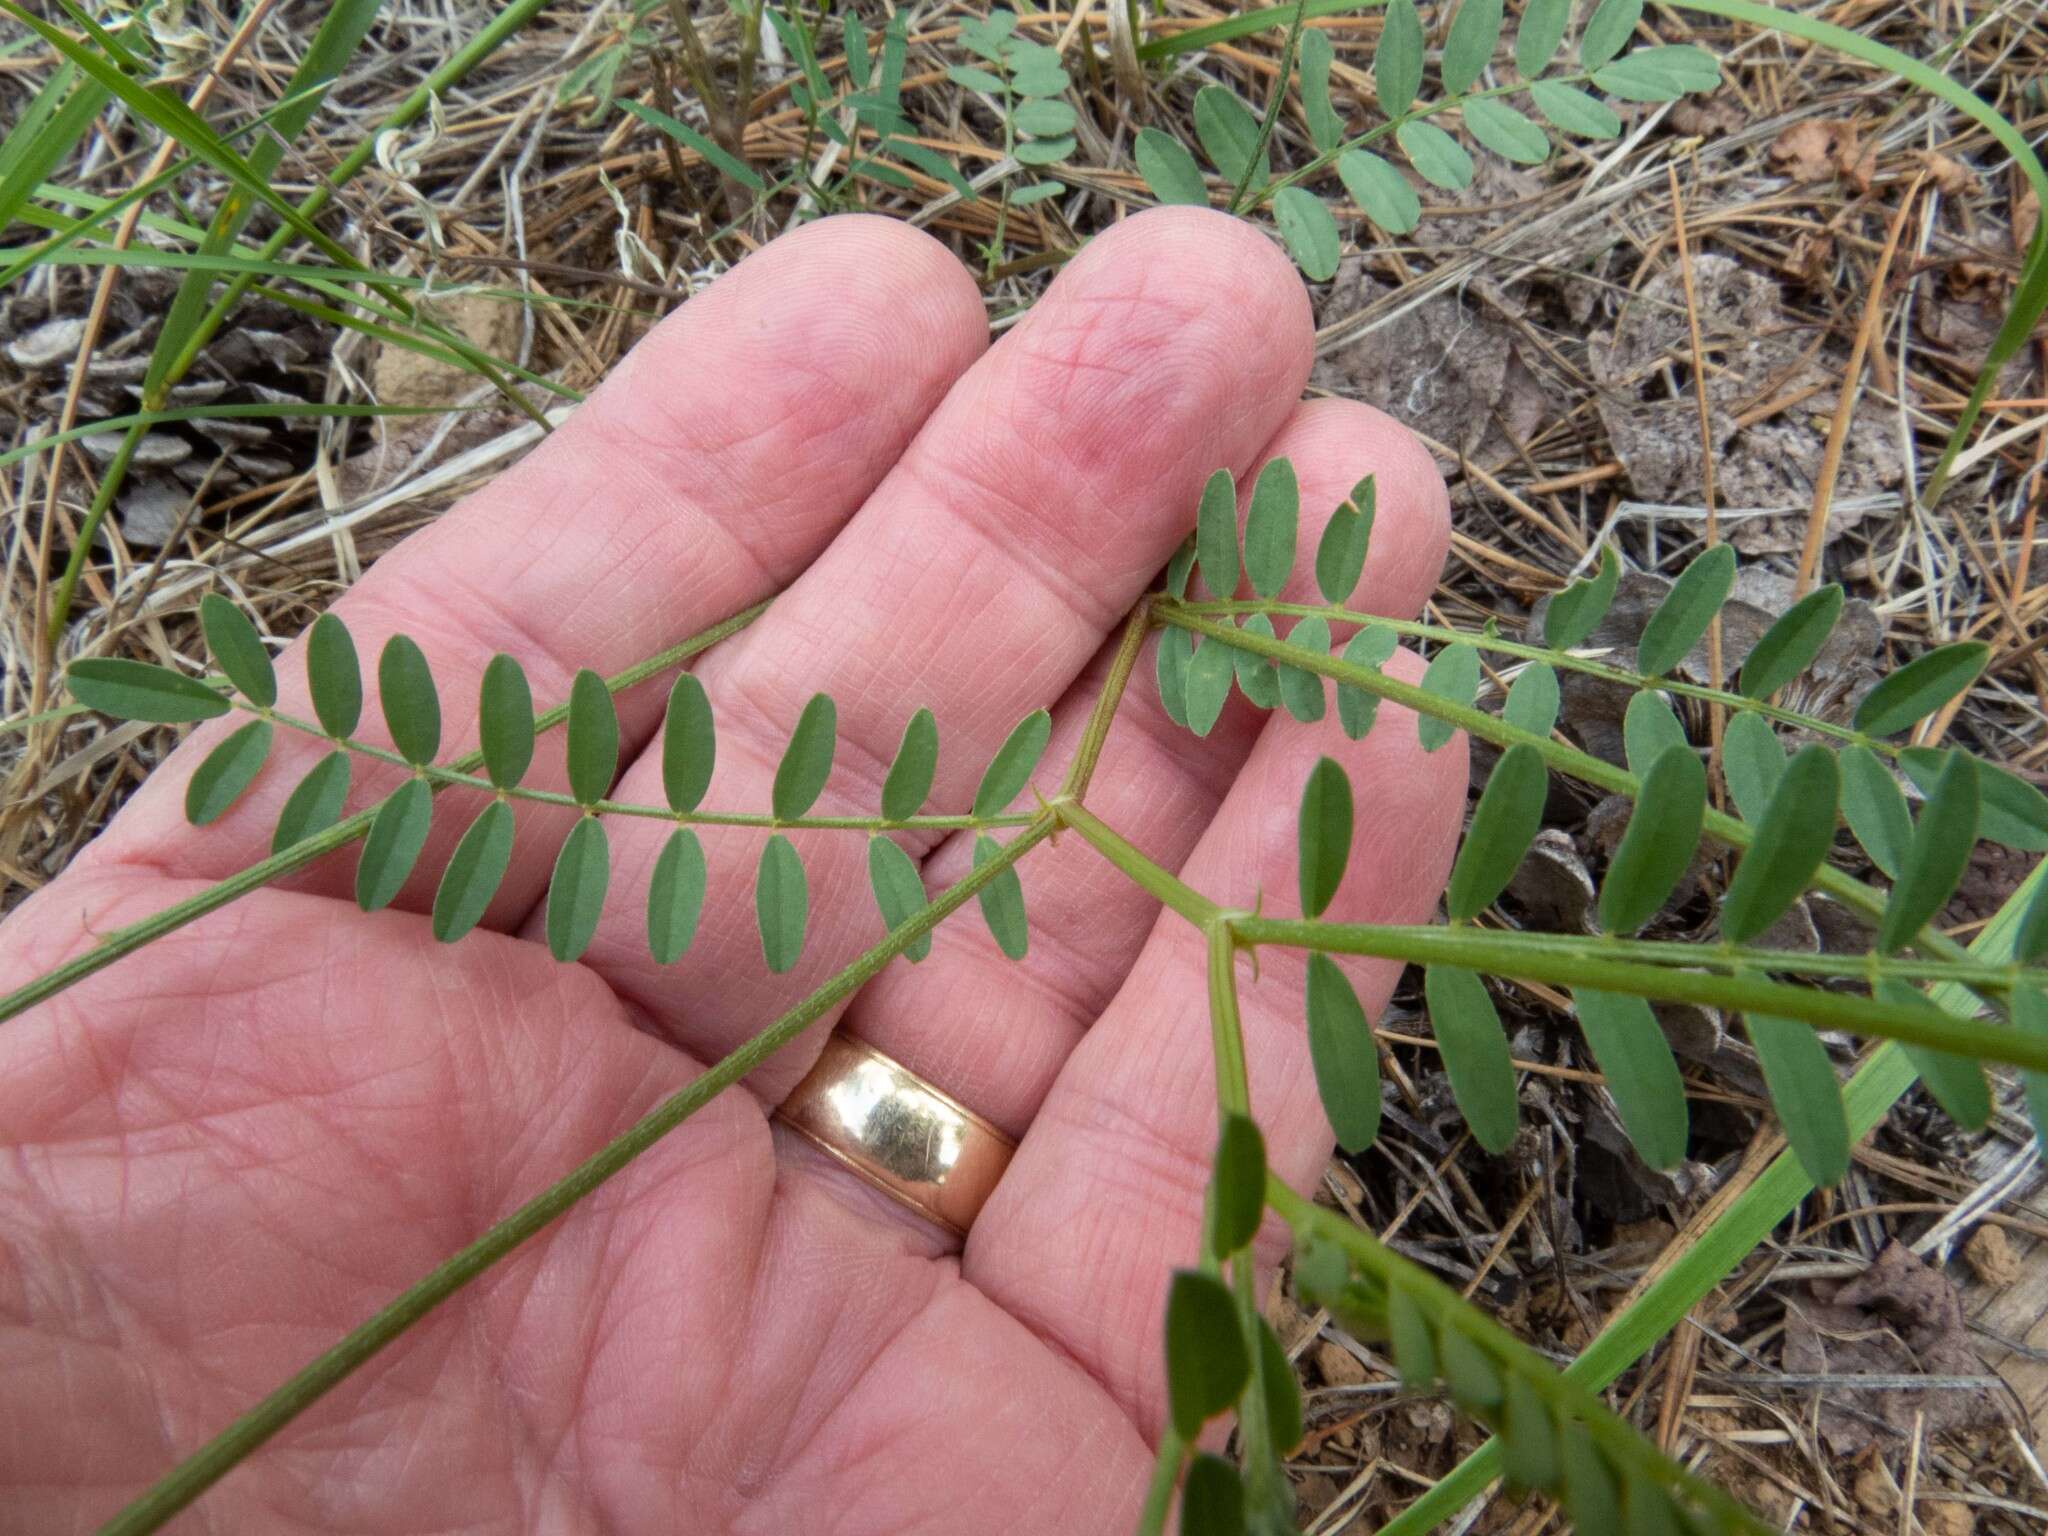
(221, 1154)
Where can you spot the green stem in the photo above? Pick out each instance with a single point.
(1274, 98)
(125, 941)
(1082, 770)
(202, 1470)
(1173, 1452)
(1555, 961)
(1161, 882)
(446, 778)
(1566, 660)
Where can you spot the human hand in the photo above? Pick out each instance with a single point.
(224, 1154)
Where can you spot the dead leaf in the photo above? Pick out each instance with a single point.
(1813, 150)
(1898, 1318)
(1951, 176)
(1705, 119)
(1990, 1257)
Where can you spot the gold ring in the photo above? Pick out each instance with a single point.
(920, 1147)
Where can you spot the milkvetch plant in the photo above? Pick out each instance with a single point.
(1303, 658)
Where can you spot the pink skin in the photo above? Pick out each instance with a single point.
(221, 1155)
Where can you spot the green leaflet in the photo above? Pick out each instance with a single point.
(1324, 834)
(1797, 830)
(689, 744)
(505, 721)
(1002, 902)
(238, 650)
(1279, 1388)
(1212, 1498)
(1412, 1340)
(1010, 769)
(1660, 74)
(909, 782)
(1207, 686)
(691, 139)
(227, 770)
(1805, 1093)
(1532, 701)
(1875, 808)
(1509, 815)
(138, 690)
(1470, 1373)
(1588, 1486)
(593, 748)
(1397, 63)
(474, 872)
(1529, 1437)
(315, 805)
(1649, 729)
(1168, 169)
(1957, 1082)
(807, 760)
(1505, 131)
(397, 834)
(583, 871)
(1046, 117)
(1438, 158)
(1640, 1072)
(1920, 687)
(1574, 111)
(2010, 811)
(1753, 761)
(899, 890)
(1206, 1362)
(1576, 612)
(1345, 1057)
(675, 896)
(1381, 192)
(1469, 45)
(334, 676)
(1269, 527)
(1687, 610)
(1356, 709)
(1257, 678)
(1302, 691)
(1237, 1187)
(1216, 535)
(412, 709)
(1541, 29)
(2030, 1016)
(2031, 942)
(1658, 847)
(1172, 663)
(1792, 642)
(1608, 30)
(782, 903)
(1475, 1053)
(1347, 537)
(1315, 55)
(1935, 858)
(1180, 568)
(1453, 676)
(1309, 232)
(1229, 134)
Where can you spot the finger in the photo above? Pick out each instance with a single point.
(1020, 526)
(994, 1032)
(1115, 1164)
(714, 464)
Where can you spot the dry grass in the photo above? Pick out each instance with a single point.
(1834, 203)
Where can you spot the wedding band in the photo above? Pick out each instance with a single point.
(917, 1145)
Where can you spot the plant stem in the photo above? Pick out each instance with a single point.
(200, 1471)
(1437, 634)
(1082, 770)
(124, 941)
(1161, 882)
(1274, 99)
(1172, 1452)
(1563, 962)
